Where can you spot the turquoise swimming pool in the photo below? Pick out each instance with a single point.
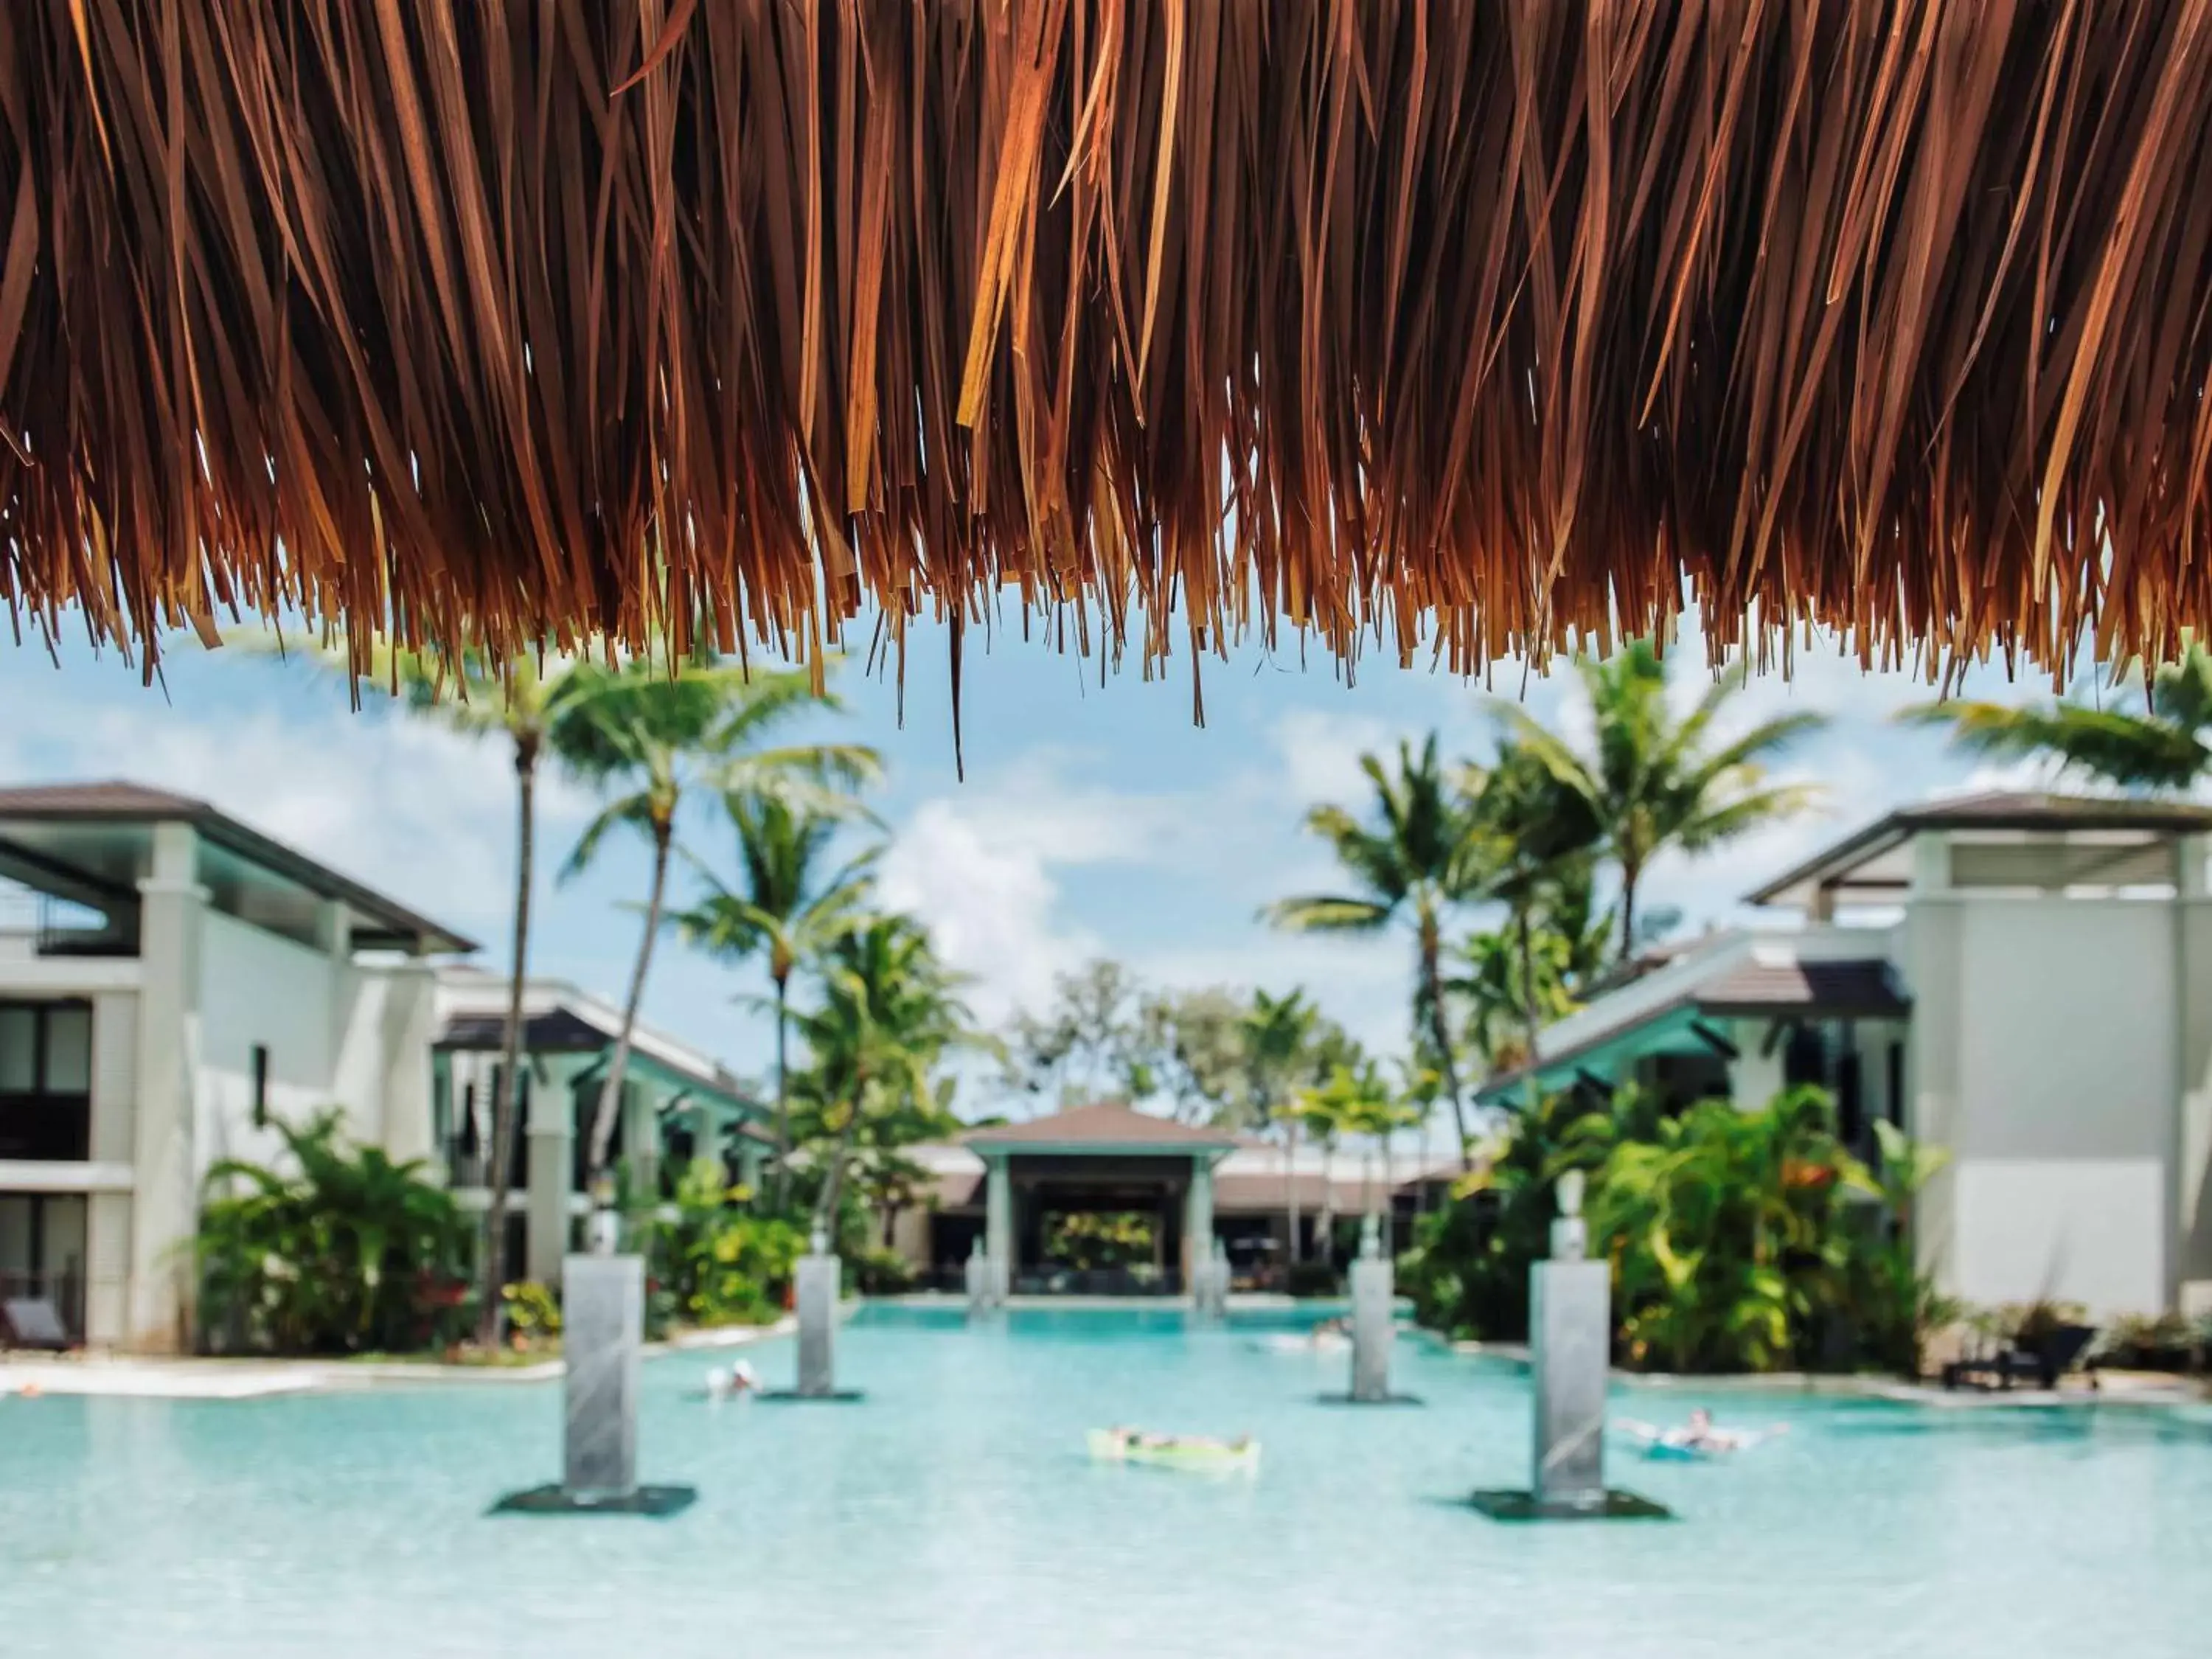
(955, 1513)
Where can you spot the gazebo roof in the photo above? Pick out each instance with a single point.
(1502, 328)
(1101, 1127)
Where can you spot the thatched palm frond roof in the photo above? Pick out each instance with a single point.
(1491, 323)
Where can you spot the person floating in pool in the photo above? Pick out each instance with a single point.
(1699, 1437)
(1136, 1439)
(733, 1384)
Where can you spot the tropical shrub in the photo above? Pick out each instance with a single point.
(1739, 1241)
(533, 1313)
(874, 1270)
(343, 1250)
(717, 1263)
(1091, 1240)
(2148, 1342)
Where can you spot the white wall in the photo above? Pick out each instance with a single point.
(2064, 1112)
(259, 987)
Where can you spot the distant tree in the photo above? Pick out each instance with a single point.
(1195, 1054)
(2166, 749)
(1089, 1044)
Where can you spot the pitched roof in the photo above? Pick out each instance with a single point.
(388, 922)
(1863, 988)
(1104, 1124)
(566, 1029)
(2029, 810)
(1732, 976)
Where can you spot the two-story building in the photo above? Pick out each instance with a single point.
(174, 983)
(2024, 980)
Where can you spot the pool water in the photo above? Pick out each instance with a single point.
(955, 1512)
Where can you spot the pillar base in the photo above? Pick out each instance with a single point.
(655, 1503)
(1512, 1504)
(1372, 1399)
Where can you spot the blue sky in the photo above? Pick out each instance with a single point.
(1095, 818)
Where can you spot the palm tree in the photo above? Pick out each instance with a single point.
(649, 737)
(1279, 1038)
(1655, 780)
(1354, 1100)
(2166, 749)
(890, 1011)
(1411, 860)
(518, 698)
(1529, 844)
(785, 908)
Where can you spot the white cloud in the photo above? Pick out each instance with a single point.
(1321, 752)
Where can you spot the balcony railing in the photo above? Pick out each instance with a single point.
(45, 1128)
(58, 927)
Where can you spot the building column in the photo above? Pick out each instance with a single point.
(999, 1223)
(165, 1208)
(1198, 1218)
(2191, 1275)
(550, 1134)
(638, 1140)
(707, 1134)
(751, 1157)
(409, 1033)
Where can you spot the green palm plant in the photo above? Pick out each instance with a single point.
(1655, 780)
(1409, 860)
(519, 699)
(891, 1013)
(1529, 846)
(648, 738)
(786, 908)
(2166, 749)
(1279, 1033)
(344, 1250)
(1356, 1099)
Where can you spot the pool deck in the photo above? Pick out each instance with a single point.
(135, 1377)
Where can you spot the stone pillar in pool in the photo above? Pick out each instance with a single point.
(998, 1226)
(814, 1288)
(978, 1278)
(1570, 1352)
(602, 1330)
(1372, 1332)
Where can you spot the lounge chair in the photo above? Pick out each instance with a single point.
(2043, 1359)
(32, 1322)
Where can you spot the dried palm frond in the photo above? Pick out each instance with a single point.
(1496, 326)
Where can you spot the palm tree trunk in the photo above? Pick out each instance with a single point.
(1532, 1013)
(1292, 1254)
(1629, 876)
(1327, 1246)
(1432, 993)
(507, 1100)
(782, 1188)
(610, 1107)
(825, 1207)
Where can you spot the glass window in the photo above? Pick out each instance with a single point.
(19, 1051)
(69, 1051)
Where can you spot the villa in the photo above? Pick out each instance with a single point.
(174, 983)
(2024, 980)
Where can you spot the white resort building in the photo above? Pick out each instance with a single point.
(174, 983)
(2024, 980)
